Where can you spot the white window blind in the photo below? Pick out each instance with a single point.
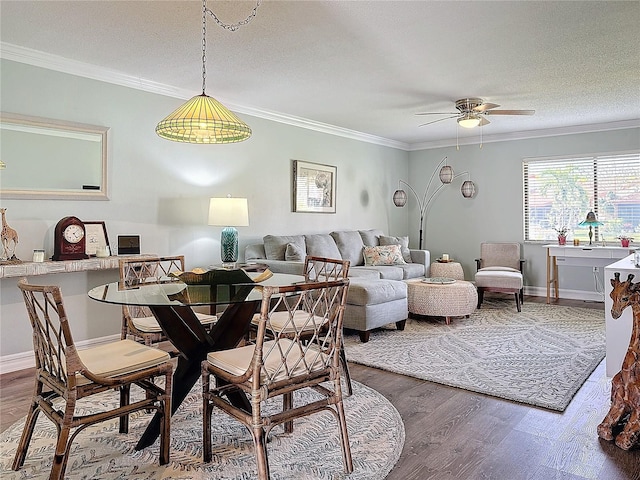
(559, 192)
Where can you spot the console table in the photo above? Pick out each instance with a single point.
(579, 256)
(27, 269)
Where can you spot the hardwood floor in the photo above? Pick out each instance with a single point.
(456, 434)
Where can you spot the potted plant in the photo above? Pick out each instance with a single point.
(562, 235)
(624, 240)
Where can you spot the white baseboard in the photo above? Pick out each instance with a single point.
(584, 295)
(24, 360)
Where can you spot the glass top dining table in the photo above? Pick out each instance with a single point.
(171, 302)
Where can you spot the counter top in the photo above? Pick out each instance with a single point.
(27, 269)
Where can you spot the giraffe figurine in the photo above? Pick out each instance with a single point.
(8, 235)
(625, 386)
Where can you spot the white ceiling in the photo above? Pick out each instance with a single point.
(363, 66)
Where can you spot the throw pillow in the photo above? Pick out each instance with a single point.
(276, 245)
(293, 253)
(383, 255)
(402, 241)
(370, 237)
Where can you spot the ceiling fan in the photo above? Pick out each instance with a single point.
(472, 112)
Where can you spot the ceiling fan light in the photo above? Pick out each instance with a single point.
(469, 120)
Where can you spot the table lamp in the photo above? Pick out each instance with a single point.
(591, 221)
(229, 213)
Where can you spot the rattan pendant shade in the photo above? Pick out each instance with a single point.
(203, 120)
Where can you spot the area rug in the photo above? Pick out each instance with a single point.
(376, 434)
(540, 356)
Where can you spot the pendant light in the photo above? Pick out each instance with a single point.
(203, 119)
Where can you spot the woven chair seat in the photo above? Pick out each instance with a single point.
(151, 325)
(237, 361)
(281, 323)
(119, 358)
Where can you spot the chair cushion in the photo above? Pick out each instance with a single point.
(150, 324)
(236, 361)
(499, 279)
(119, 358)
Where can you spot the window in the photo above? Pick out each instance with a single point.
(559, 192)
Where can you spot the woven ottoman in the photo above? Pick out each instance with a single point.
(457, 299)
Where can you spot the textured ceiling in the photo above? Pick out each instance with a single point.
(366, 66)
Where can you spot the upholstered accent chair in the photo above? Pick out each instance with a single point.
(137, 321)
(500, 269)
(280, 365)
(64, 373)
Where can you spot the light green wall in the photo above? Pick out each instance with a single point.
(457, 226)
(161, 189)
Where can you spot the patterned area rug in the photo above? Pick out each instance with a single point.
(540, 356)
(376, 434)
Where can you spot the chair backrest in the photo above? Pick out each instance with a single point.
(147, 270)
(322, 269)
(293, 356)
(500, 255)
(52, 340)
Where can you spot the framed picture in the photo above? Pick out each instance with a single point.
(314, 187)
(96, 237)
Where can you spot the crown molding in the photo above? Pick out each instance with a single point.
(57, 63)
(37, 58)
(528, 134)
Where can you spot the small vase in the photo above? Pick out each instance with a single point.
(624, 242)
(562, 240)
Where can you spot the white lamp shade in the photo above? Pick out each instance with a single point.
(228, 212)
(469, 120)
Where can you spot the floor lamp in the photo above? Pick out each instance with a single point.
(229, 213)
(446, 176)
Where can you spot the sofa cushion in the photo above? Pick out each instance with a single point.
(276, 245)
(383, 255)
(373, 292)
(402, 241)
(350, 245)
(370, 237)
(322, 245)
(412, 270)
(294, 253)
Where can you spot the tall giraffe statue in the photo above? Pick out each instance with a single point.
(8, 235)
(625, 386)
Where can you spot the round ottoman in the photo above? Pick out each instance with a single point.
(457, 299)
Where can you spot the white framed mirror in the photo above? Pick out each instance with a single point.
(42, 158)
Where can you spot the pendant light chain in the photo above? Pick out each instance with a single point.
(228, 26)
(235, 26)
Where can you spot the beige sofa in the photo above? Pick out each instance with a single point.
(377, 293)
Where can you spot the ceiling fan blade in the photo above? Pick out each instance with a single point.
(510, 112)
(483, 122)
(439, 120)
(485, 106)
(438, 113)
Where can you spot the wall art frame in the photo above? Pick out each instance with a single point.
(314, 187)
(96, 233)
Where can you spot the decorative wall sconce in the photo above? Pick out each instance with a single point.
(446, 176)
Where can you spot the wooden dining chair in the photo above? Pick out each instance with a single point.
(316, 269)
(65, 373)
(281, 365)
(137, 321)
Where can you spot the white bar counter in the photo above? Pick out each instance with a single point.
(618, 329)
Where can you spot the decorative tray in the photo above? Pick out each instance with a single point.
(198, 276)
(440, 260)
(439, 280)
